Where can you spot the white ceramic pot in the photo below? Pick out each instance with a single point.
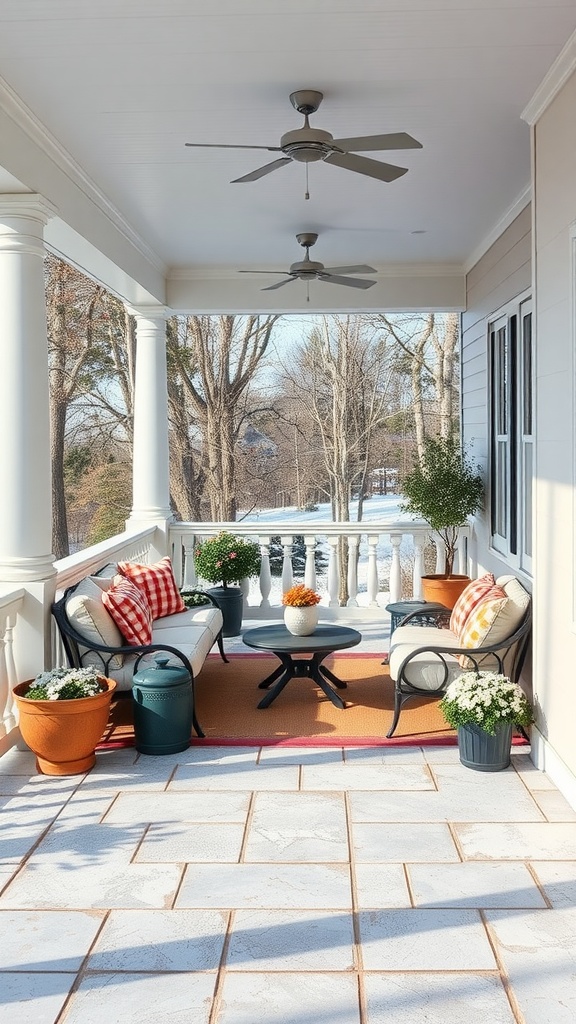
(301, 621)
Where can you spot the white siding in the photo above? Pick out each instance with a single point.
(500, 276)
(555, 563)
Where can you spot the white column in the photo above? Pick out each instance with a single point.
(25, 464)
(150, 465)
(25, 469)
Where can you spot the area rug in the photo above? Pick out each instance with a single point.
(227, 696)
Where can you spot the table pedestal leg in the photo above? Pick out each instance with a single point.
(308, 667)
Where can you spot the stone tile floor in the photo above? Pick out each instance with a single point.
(288, 886)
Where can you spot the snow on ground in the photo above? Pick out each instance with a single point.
(381, 508)
(378, 507)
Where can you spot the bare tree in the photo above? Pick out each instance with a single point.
(345, 365)
(216, 358)
(430, 343)
(186, 473)
(74, 355)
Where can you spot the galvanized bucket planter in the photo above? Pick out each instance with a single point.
(483, 752)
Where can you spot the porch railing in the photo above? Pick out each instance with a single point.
(391, 553)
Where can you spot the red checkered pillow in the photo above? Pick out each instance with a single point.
(130, 610)
(476, 591)
(158, 585)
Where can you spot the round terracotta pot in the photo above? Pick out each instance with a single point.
(64, 733)
(444, 589)
(301, 621)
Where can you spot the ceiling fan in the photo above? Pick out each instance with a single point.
(308, 270)
(308, 145)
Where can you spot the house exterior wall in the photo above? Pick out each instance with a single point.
(500, 276)
(554, 147)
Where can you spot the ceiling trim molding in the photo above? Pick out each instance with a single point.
(27, 121)
(390, 270)
(499, 228)
(562, 68)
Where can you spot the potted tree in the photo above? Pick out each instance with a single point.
(444, 489)
(227, 559)
(62, 716)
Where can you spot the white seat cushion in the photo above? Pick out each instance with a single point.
(205, 615)
(195, 643)
(426, 671)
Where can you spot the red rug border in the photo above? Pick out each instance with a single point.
(311, 741)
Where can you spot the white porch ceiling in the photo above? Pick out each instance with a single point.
(119, 86)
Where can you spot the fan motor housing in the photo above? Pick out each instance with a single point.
(307, 144)
(306, 268)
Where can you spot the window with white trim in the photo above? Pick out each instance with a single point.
(510, 348)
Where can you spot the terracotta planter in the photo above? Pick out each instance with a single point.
(64, 733)
(301, 621)
(444, 589)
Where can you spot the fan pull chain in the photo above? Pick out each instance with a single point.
(306, 194)
(307, 291)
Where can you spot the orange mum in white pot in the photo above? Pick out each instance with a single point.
(300, 610)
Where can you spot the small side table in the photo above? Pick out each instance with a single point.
(399, 609)
(323, 641)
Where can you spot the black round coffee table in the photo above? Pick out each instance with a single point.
(323, 641)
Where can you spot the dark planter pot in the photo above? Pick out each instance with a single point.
(482, 751)
(231, 603)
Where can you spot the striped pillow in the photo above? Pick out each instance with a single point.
(481, 626)
(158, 585)
(475, 592)
(130, 610)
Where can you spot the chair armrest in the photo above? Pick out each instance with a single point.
(473, 653)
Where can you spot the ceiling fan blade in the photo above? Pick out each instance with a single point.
(362, 165)
(260, 272)
(225, 145)
(279, 284)
(261, 171)
(365, 143)
(350, 282)
(350, 270)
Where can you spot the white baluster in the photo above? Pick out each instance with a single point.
(333, 575)
(395, 568)
(372, 571)
(190, 577)
(287, 575)
(265, 574)
(8, 674)
(419, 544)
(245, 588)
(310, 567)
(440, 554)
(352, 571)
(176, 551)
